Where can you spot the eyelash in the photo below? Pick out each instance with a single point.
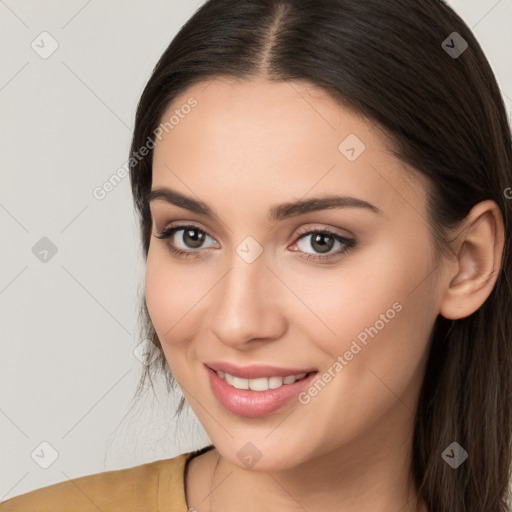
(348, 243)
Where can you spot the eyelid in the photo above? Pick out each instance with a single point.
(299, 232)
(323, 228)
(177, 226)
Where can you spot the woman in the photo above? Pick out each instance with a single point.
(324, 197)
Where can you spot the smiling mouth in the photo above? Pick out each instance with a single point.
(261, 383)
(257, 396)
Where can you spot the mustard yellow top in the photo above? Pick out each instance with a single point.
(155, 486)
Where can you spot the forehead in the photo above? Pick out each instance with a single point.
(271, 141)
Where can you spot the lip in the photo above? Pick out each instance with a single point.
(252, 404)
(255, 371)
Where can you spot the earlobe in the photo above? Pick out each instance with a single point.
(478, 262)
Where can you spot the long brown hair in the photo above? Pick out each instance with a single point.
(444, 112)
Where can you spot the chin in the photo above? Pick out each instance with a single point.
(262, 456)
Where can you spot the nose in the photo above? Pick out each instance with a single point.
(247, 305)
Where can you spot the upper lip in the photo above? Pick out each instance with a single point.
(255, 371)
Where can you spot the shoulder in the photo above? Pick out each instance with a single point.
(139, 488)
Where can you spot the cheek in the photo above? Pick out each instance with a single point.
(173, 292)
(373, 290)
(166, 294)
(382, 315)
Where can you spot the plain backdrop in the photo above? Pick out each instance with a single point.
(71, 265)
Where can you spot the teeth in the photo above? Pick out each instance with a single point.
(259, 384)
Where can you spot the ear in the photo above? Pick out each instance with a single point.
(478, 252)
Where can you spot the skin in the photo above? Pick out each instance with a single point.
(245, 147)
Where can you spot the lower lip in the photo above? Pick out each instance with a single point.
(251, 404)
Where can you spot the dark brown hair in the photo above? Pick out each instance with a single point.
(446, 118)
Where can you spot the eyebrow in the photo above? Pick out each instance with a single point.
(276, 212)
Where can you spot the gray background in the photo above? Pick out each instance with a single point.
(69, 325)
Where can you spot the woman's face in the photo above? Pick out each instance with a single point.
(254, 289)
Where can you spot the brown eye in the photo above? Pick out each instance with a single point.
(191, 240)
(322, 242)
